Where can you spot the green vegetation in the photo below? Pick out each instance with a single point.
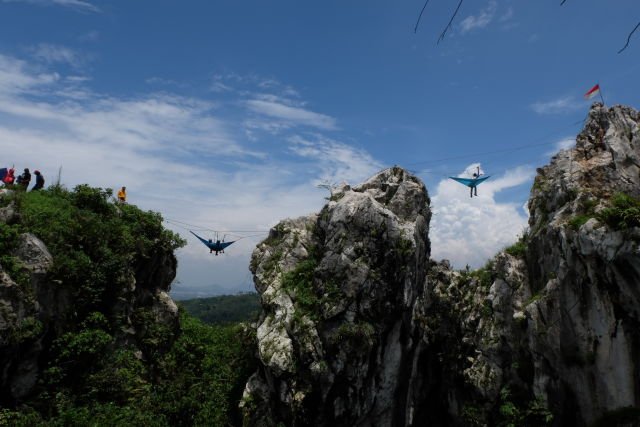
(336, 197)
(299, 283)
(512, 414)
(483, 277)
(535, 297)
(587, 207)
(360, 335)
(624, 212)
(473, 415)
(224, 309)
(199, 381)
(191, 376)
(519, 248)
(11, 264)
(578, 221)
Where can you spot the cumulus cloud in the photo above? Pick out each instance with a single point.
(562, 105)
(78, 5)
(468, 230)
(484, 18)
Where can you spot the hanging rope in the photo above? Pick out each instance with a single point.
(191, 227)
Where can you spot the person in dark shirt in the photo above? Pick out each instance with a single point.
(25, 178)
(39, 181)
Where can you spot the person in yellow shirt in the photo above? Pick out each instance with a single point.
(122, 195)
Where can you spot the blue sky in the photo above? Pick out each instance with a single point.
(228, 114)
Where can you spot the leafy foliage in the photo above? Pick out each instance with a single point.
(519, 248)
(11, 264)
(299, 282)
(512, 414)
(624, 212)
(199, 381)
(203, 376)
(578, 221)
(359, 335)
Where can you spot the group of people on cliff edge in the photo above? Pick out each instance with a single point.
(8, 178)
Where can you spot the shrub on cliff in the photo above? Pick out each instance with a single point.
(624, 212)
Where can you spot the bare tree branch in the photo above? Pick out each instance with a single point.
(420, 16)
(629, 37)
(450, 23)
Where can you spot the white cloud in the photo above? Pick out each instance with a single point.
(337, 161)
(292, 116)
(278, 99)
(563, 105)
(469, 230)
(52, 54)
(218, 86)
(17, 76)
(79, 5)
(481, 20)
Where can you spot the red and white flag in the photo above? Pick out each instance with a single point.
(592, 92)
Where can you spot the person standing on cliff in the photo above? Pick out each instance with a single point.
(39, 181)
(122, 195)
(25, 178)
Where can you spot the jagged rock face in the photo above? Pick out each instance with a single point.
(587, 273)
(21, 337)
(335, 338)
(556, 330)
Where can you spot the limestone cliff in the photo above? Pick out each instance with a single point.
(336, 337)
(360, 328)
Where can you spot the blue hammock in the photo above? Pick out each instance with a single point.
(470, 182)
(216, 246)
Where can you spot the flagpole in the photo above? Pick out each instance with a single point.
(600, 92)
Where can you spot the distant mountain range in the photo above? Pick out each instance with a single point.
(179, 293)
